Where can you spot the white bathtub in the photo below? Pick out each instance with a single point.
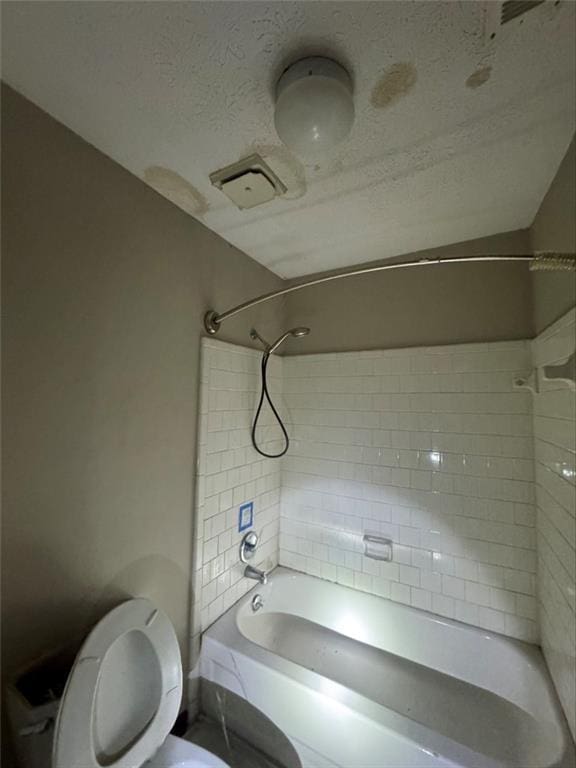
(358, 681)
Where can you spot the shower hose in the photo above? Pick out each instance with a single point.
(264, 393)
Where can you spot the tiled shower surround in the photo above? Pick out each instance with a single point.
(431, 447)
(230, 473)
(555, 449)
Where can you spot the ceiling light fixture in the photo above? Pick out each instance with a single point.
(314, 106)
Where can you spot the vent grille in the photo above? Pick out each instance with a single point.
(512, 9)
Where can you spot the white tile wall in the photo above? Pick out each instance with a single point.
(229, 473)
(431, 447)
(555, 457)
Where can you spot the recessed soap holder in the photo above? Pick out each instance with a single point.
(378, 547)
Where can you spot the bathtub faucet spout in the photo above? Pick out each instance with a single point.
(255, 573)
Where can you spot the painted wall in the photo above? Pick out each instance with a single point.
(554, 229)
(555, 454)
(104, 287)
(431, 447)
(441, 305)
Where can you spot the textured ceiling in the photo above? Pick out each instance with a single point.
(456, 136)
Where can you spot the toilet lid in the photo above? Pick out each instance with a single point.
(123, 693)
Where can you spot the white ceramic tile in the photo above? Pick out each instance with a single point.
(230, 473)
(554, 437)
(432, 448)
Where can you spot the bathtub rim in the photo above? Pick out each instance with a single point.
(220, 631)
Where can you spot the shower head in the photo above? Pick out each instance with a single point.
(296, 333)
(299, 332)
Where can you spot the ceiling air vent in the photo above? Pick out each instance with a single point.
(512, 9)
(249, 182)
(502, 18)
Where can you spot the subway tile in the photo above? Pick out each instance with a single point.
(466, 612)
(420, 598)
(422, 559)
(381, 586)
(526, 607)
(210, 550)
(410, 575)
(453, 587)
(400, 592)
(493, 620)
(555, 446)
(443, 605)
(431, 448)
(519, 581)
(479, 594)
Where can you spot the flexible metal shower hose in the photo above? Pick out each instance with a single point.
(264, 393)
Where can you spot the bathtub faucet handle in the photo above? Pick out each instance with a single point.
(248, 546)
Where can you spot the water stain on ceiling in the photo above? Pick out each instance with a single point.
(178, 190)
(394, 84)
(443, 148)
(479, 77)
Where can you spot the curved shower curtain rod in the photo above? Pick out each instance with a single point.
(544, 262)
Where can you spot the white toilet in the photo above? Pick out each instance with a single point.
(123, 696)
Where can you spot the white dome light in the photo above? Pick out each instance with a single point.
(314, 106)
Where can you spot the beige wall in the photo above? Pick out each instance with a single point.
(421, 307)
(104, 286)
(554, 229)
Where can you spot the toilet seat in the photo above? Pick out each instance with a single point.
(123, 693)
